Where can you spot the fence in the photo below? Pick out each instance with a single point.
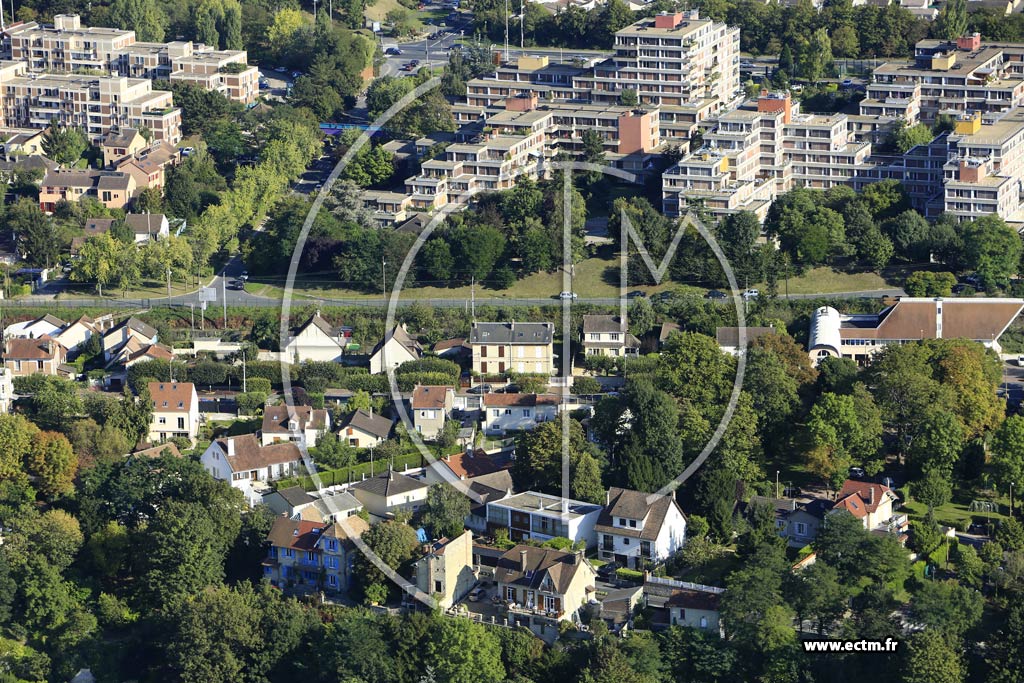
(354, 473)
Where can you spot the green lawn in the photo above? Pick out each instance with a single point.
(826, 280)
(714, 572)
(957, 511)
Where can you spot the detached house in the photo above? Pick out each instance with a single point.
(31, 329)
(175, 411)
(681, 603)
(872, 504)
(147, 227)
(242, 461)
(542, 586)
(542, 516)
(312, 554)
(76, 334)
(118, 144)
(363, 429)
(607, 335)
(301, 422)
(445, 571)
(431, 406)
(119, 335)
(395, 348)
(728, 338)
(513, 347)
(638, 529)
(45, 355)
(506, 412)
(796, 521)
(388, 491)
(317, 340)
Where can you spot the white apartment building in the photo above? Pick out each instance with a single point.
(512, 347)
(68, 46)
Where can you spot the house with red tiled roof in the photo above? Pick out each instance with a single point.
(313, 554)
(431, 406)
(249, 466)
(504, 412)
(24, 356)
(867, 501)
(175, 411)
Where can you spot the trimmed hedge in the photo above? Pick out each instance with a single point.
(353, 473)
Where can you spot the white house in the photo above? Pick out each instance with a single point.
(607, 335)
(316, 340)
(390, 491)
(363, 429)
(396, 348)
(871, 503)
(147, 227)
(728, 338)
(242, 461)
(33, 329)
(130, 328)
(686, 604)
(542, 516)
(504, 412)
(302, 422)
(636, 528)
(329, 506)
(175, 411)
(76, 334)
(6, 390)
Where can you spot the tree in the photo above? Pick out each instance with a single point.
(53, 463)
(932, 658)
(538, 463)
(992, 249)
(842, 543)
(905, 136)
(910, 234)
(816, 593)
(15, 441)
(393, 542)
(947, 607)
(933, 490)
(35, 233)
(816, 60)
(446, 511)
(1008, 452)
(640, 316)
(142, 16)
(927, 283)
(104, 261)
(463, 651)
(628, 97)
(952, 20)
(55, 402)
(835, 425)
(64, 145)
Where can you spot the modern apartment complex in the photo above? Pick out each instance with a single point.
(96, 104)
(67, 46)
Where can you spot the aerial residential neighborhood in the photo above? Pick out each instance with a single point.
(469, 342)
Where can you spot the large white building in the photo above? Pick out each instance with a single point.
(636, 531)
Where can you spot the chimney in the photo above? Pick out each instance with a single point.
(871, 495)
(231, 447)
(607, 497)
(577, 558)
(522, 560)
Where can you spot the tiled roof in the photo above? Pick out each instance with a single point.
(40, 348)
(631, 504)
(122, 138)
(390, 483)
(666, 330)
(447, 344)
(145, 223)
(295, 534)
(730, 336)
(539, 562)
(368, 423)
(602, 323)
(477, 463)
(250, 455)
(400, 335)
(134, 324)
(275, 419)
(862, 497)
(519, 400)
(158, 450)
(427, 397)
(172, 397)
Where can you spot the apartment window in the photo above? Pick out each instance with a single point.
(625, 541)
(288, 552)
(332, 580)
(438, 587)
(607, 542)
(483, 352)
(181, 423)
(310, 556)
(510, 593)
(162, 420)
(107, 196)
(508, 411)
(549, 603)
(801, 528)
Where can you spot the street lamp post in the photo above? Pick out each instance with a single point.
(776, 483)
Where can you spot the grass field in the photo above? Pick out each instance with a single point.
(826, 280)
(379, 11)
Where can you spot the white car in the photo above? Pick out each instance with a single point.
(751, 294)
(568, 295)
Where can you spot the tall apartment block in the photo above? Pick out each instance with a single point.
(685, 66)
(763, 148)
(67, 46)
(97, 104)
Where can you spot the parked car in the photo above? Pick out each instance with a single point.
(280, 69)
(751, 294)
(715, 295)
(238, 285)
(414, 62)
(847, 83)
(187, 151)
(607, 571)
(244, 276)
(568, 295)
(393, 51)
(296, 74)
(477, 594)
(856, 472)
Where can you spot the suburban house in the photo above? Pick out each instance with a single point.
(248, 465)
(470, 464)
(147, 227)
(512, 347)
(312, 554)
(858, 337)
(543, 516)
(149, 166)
(118, 144)
(872, 504)
(37, 327)
(508, 412)
(729, 337)
(157, 451)
(363, 429)
(119, 335)
(175, 411)
(395, 348)
(113, 189)
(388, 491)
(295, 503)
(667, 330)
(445, 571)
(681, 603)
(316, 340)
(635, 531)
(23, 143)
(452, 349)
(281, 423)
(45, 355)
(796, 521)
(543, 586)
(135, 351)
(607, 335)
(431, 406)
(76, 334)
(6, 390)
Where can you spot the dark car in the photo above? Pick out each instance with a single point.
(237, 285)
(715, 295)
(607, 571)
(393, 51)
(635, 295)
